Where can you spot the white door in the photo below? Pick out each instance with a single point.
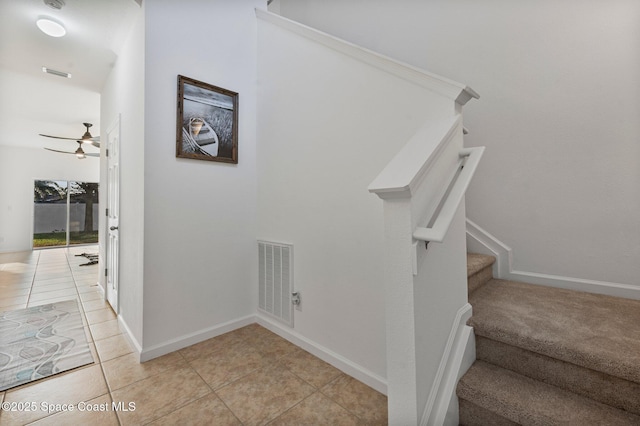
(113, 213)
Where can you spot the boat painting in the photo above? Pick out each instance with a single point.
(203, 135)
(207, 122)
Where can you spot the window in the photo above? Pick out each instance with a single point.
(65, 213)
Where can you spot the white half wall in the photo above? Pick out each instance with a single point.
(19, 168)
(558, 115)
(327, 126)
(200, 267)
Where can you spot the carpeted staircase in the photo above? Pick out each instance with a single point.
(548, 356)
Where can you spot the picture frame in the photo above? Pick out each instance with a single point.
(207, 122)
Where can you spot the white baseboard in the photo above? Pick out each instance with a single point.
(446, 379)
(137, 347)
(193, 338)
(346, 366)
(481, 241)
(591, 286)
(468, 358)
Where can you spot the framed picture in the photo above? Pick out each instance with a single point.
(207, 122)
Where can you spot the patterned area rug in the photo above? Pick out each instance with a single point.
(41, 341)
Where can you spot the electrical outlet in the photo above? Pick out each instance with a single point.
(296, 300)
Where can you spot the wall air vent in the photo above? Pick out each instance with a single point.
(54, 72)
(275, 280)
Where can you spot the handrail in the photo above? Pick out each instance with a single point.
(469, 159)
(403, 175)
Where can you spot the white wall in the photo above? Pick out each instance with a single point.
(327, 126)
(45, 104)
(559, 115)
(22, 157)
(19, 167)
(200, 251)
(123, 94)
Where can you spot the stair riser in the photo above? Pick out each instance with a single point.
(479, 279)
(596, 332)
(599, 386)
(474, 415)
(528, 401)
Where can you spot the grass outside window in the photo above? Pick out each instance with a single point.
(53, 239)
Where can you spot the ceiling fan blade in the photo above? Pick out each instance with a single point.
(86, 154)
(87, 137)
(62, 152)
(91, 142)
(58, 137)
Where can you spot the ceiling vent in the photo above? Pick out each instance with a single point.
(55, 72)
(54, 4)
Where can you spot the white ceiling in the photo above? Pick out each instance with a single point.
(32, 102)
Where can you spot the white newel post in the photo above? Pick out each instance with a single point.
(400, 324)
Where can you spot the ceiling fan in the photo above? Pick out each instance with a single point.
(78, 152)
(86, 138)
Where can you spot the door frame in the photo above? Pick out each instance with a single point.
(112, 237)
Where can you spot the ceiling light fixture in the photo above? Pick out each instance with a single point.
(80, 154)
(51, 27)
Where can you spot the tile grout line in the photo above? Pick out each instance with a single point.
(196, 400)
(93, 340)
(82, 312)
(296, 404)
(338, 402)
(75, 285)
(104, 375)
(33, 279)
(209, 386)
(318, 390)
(35, 272)
(244, 340)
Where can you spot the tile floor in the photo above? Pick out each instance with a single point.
(246, 377)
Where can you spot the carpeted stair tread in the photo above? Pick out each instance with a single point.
(592, 384)
(476, 262)
(593, 331)
(529, 402)
(479, 270)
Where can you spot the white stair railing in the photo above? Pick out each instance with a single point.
(426, 292)
(469, 160)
